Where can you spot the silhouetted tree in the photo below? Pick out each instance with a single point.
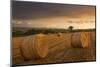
(70, 28)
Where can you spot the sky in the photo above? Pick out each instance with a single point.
(52, 15)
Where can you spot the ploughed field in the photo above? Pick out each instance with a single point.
(54, 48)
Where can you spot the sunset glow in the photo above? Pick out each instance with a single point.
(58, 22)
(53, 15)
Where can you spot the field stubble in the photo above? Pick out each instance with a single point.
(60, 50)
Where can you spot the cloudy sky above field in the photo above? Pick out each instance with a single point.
(50, 15)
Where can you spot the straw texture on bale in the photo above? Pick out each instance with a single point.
(17, 57)
(16, 42)
(81, 40)
(93, 38)
(34, 47)
(16, 53)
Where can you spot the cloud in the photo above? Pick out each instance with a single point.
(37, 14)
(36, 10)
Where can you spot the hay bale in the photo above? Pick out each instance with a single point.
(93, 38)
(81, 39)
(16, 53)
(34, 47)
(59, 34)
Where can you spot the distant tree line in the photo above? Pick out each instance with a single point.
(32, 31)
(36, 31)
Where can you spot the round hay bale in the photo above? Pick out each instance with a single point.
(34, 47)
(16, 53)
(81, 40)
(59, 34)
(93, 38)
